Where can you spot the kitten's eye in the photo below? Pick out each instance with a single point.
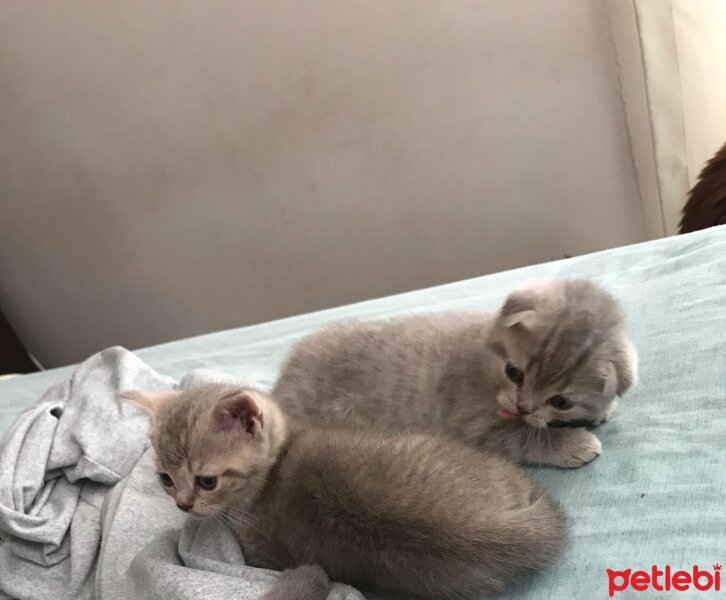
(560, 402)
(207, 483)
(515, 374)
(166, 479)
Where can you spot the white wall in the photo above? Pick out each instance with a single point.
(174, 167)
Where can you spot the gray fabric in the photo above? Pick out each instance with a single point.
(81, 513)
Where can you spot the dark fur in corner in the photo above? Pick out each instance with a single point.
(706, 205)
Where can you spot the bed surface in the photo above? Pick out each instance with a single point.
(657, 495)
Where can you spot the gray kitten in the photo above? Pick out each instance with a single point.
(521, 382)
(394, 513)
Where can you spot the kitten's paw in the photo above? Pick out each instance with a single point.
(578, 448)
(308, 582)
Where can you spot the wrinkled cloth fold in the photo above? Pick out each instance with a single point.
(82, 514)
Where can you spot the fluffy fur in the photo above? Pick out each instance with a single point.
(522, 382)
(394, 513)
(706, 205)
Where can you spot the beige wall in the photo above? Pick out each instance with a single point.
(170, 168)
(672, 64)
(700, 30)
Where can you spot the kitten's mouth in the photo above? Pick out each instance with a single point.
(508, 414)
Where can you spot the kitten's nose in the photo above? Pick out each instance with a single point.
(523, 410)
(185, 507)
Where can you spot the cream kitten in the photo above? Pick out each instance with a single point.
(522, 382)
(393, 513)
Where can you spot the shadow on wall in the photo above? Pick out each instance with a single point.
(14, 358)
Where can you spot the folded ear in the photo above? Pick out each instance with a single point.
(519, 307)
(626, 367)
(239, 412)
(525, 318)
(609, 379)
(150, 402)
(621, 372)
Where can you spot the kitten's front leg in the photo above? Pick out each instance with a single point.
(567, 448)
(308, 582)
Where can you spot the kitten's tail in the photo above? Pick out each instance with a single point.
(522, 540)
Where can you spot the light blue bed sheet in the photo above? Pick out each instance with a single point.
(657, 494)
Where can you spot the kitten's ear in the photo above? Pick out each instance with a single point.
(524, 318)
(610, 380)
(519, 307)
(620, 373)
(150, 402)
(239, 412)
(626, 367)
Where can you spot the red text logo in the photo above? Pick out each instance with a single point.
(664, 580)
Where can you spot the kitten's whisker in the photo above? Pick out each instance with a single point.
(243, 515)
(239, 512)
(242, 520)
